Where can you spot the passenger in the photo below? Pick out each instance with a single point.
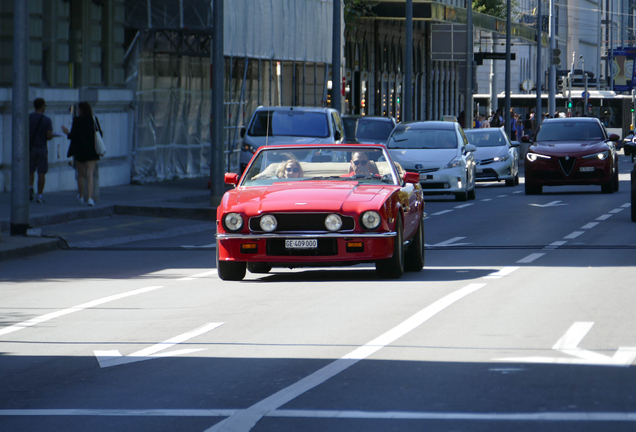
(290, 169)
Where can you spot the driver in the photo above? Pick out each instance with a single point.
(361, 165)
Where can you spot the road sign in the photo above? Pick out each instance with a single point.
(585, 95)
(527, 85)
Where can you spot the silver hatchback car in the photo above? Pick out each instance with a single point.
(497, 157)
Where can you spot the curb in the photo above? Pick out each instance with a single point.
(24, 247)
(197, 213)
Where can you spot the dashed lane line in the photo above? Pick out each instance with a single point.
(441, 212)
(574, 235)
(555, 245)
(590, 225)
(530, 258)
(604, 217)
(618, 210)
(464, 205)
(199, 275)
(78, 308)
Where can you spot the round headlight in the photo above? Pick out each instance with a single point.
(371, 220)
(233, 221)
(333, 222)
(268, 223)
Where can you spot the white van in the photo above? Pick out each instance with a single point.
(290, 125)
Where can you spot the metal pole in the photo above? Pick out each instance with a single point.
(217, 164)
(468, 102)
(586, 95)
(407, 115)
(552, 76)
(539, 110)
(507, 116)
(336, 82)
(633, 112)
(20, 123)
(611, 50)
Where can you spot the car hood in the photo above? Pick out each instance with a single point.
(428, 158)
(275, 140)
(338, 196)
(483, 153)
(562, 148)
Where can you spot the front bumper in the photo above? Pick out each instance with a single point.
(553, 172)
(332, 248)
(496, 171)
(444, 181)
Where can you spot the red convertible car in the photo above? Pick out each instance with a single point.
(310, 205)
(571, 151)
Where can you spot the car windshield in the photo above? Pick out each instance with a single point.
(485, 138)
(364, 165)
(570, 131)
(374, 129)
(290, 123)
(350, 127)
(407, 138)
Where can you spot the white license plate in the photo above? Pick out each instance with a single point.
(586, 169)
(301, 244)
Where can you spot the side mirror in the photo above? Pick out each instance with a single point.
(525, 139)
(614, 137)
(515, 144)
(411, 177)
(337, 136)
(470, 148)
(242, 132)
(231, 178)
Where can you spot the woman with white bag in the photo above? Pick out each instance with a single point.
(86, 144)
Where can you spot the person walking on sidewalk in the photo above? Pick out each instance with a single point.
(40, 131)
(82, 149)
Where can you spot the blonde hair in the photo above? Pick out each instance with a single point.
(280, 173)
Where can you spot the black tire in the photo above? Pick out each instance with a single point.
(532, 189)
(258, 267)
(414, 256)
(472, 194)
(510, 183)
(517, 179)
(230, 270)
(393, 268)
(461, 196)
(616, 180)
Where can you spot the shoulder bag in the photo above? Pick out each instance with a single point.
(100, 149)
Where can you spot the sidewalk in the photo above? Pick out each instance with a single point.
(183, 199)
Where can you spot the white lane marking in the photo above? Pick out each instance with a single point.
(173, 232)
(590, 225)
(211, 245)
(487, 199)
(501, 273)
(464, 206)
(448, 242)
(550, 204)
(604, 217)
(555, 245)
(114, 357)
(245, 420)
(530, 258)
(597, 416)
(121, 412)
(52, 315)
(501, 196)
(574, 235)
(618, 210)
(410, 415)
(199, 275)
(627, 205)
(568, 344)
(441, 212)
(516, 192)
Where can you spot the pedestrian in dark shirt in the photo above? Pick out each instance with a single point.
(82, 149)
(40, 131)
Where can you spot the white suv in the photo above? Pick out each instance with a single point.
(290, 125)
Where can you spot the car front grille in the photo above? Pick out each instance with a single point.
(326, 247)
(427, 170)
(429, 185)
(567, 165)
(302, 222)
(488, 173)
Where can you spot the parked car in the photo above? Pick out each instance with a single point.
(571, 151)
(629, 145)
(368, 129)
(633, 192)
(496, 157)
(293, 209)
(290, 125)
(440, 152)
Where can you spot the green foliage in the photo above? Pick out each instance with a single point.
(356, 9)
(496, 8)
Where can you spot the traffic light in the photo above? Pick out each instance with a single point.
(569, 104)
(556, 56)
(631, 106)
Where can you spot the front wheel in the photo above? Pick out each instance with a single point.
(532, 189)
(616, 180)
(230, 270)
(393, 268)
(472, 194)
(414, 257)
(608, 188)
(461, 196)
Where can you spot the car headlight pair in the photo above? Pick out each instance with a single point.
(602, 155)
(333, 222)
(532, 157)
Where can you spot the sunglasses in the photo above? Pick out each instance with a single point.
(292, 170)
(358, 162)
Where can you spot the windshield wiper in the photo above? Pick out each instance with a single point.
(325, 178)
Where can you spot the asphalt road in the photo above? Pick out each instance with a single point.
(522, 320)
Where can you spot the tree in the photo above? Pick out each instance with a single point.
(496, 8)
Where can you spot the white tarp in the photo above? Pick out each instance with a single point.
(295, 30)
